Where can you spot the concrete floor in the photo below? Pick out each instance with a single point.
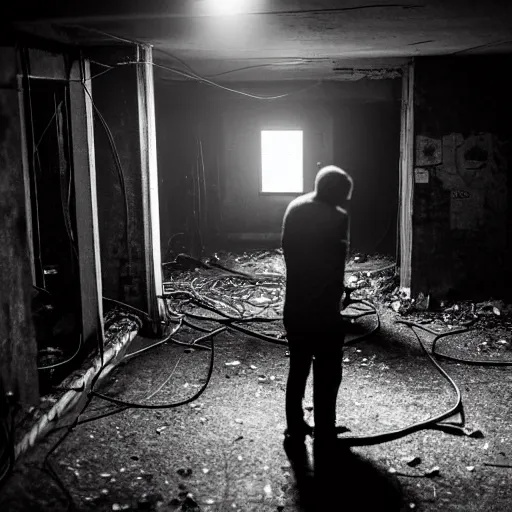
(226, 447)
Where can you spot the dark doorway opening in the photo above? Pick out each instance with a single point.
(56, 304)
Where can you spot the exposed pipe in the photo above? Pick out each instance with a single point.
(78, 385)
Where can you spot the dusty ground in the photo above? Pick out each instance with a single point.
(226, 448)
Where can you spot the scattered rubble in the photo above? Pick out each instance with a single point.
(226, 287)
(462, 313)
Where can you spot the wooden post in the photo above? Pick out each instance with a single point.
(18, 348)
(26, 177)
(149, 176)
(128, 181)
(406, 177)
(86, 203)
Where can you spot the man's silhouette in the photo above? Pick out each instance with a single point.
(315, 244)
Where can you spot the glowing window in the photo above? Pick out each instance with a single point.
(281, 161)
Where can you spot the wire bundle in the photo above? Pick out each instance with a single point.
(244, 299)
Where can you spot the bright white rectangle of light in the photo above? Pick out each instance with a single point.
(282, 161)
(229, 7)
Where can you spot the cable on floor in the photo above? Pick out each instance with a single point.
(136, 405)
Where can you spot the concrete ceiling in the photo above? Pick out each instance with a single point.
(281, 39)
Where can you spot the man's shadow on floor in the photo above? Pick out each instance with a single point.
(345, 481)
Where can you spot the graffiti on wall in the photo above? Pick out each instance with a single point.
(474, 171)
(428, 151)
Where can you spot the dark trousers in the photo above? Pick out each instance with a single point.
(325, 351)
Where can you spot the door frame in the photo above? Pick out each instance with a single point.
(46, 66)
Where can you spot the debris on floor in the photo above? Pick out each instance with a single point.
(257, 289)
(252, 284)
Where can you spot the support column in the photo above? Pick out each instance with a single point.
(129, 216)
(84, 169)
(406, 178)
(149, 174)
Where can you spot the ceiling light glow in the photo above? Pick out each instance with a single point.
(227, 7)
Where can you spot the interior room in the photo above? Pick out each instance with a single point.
(153, 160)
(331, 122)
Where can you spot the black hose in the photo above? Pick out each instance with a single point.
(430, 423)
(66, 361)
(376, 328)
(190, 345)
(165, 339)
(438, 336)
(264, 337)
(120, 409)
(194, 326)
(135, 405)
(231, 323)
(101, 416)
(415, 427)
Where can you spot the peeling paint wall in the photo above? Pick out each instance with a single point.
(463, 158)
(352, 124)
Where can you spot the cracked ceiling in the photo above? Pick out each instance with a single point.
(282, 39)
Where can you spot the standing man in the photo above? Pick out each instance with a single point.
(315, 242)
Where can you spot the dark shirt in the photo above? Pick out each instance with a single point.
(314, 241)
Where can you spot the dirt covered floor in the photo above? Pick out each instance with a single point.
(224, 450)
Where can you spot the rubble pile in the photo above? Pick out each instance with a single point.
(223, 280)
(488, 323)
(253, 283)
(424, 309)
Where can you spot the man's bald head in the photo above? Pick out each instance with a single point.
(333, 185)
